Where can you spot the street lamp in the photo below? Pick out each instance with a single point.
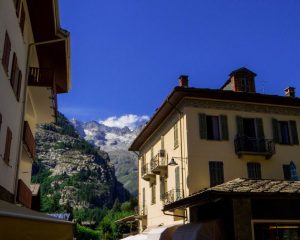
(172, 162)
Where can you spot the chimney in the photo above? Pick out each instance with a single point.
(184, 81)
(290, 92)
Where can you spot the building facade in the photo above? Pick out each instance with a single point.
(200, 138)
(34, 68)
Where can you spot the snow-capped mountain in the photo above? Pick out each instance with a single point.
(109, 138)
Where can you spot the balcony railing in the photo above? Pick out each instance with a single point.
(29, 140)
(172, 196)
(146, 172)
(24, 194)
(158, 164)
(40, 77)
(254, 146)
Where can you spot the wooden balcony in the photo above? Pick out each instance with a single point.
(147, 174)
(24, 194)
(40, 77)
(29, 140)
(254, 146)
(158, 164)
(172, 196)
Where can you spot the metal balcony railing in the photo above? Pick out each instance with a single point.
(29, 140)
(158, 164)
(172, 196)
(146, 172)
(254, 146)
(24, 194)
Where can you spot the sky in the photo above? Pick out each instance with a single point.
(127, 55)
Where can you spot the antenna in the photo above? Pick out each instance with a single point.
(263, 85)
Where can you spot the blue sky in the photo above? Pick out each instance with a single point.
(126, 55)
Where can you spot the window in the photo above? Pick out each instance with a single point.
(285, 132)
(213, 127)
(163, 186)
(153, 193)
(144, 201)
(177, 184)
(244, 84)
(254, 171)
(216, 173)
(286, 171)
(176, 135)
(250, 127)
(6, 52)
(7, 145)
(152, 153)
(17, 5)
(22, 19)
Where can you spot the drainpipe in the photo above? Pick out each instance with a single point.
(180, 114)
(24, 106)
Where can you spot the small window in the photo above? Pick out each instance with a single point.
(7, 145)
(213, 127)
(216, 173)
(254, 170)
(163, 187)
(176, 135)
(6, 52)
(153, 193)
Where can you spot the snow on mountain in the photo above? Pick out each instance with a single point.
(113, 133)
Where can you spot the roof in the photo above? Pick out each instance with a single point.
(242, 69)
(241, 187)
(180, 93)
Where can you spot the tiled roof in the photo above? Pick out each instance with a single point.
(241, 187)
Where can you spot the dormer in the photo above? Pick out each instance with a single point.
(241, 80)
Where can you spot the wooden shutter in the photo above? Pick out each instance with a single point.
(144, 200)
(13, 73)
(22, 19)
(202, 126)
(224, 127)
(176, 135)
(6, 52)
(177, 183)
(19, 85)
(162, 187)
(0, 121)
(275, 130)
(239, 125)
(294, 132)
(259, 128)
(7, 145)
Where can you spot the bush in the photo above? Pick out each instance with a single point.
(85, 233)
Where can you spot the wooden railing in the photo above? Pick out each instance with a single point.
(24, 194)
(29, 140)
(40, 77)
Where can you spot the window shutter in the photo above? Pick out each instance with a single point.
(22, 19)
(144, 200)
(162, 142)
(162, 187)
(275, 130)
(7, 145)
(13, 73)
(6, 52)
(17, 4)
(224, 127)
(260, 128)
(0, 121)
(239, 125)
(286, 171)
(202, 126)
(294, 133)
(19, 85)
(177, 184)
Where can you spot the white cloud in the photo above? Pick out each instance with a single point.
(128, 120)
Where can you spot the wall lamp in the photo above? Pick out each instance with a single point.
(173, 162)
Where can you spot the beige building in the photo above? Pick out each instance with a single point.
(200, 138)
(35, 67)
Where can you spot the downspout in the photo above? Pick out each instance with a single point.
(139, 222)
(180, 114)
(23, 109)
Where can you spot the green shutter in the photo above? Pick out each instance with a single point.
(202, 126)
(260, 128)
(275, 130)
(177, 184)
(144, 200)
(224, 127)
(239, 125)
(294, 132)
(162, 187)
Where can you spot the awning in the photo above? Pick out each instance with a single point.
(22, 223)
(210, 230)
(162, 233)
